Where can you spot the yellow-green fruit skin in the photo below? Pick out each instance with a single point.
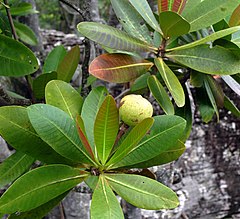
(134, 108)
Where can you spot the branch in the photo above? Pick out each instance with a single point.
(74, 7)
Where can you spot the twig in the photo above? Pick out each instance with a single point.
(75, 8)
(62, 212)
(122, 94)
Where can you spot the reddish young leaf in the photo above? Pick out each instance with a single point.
(171, 5)
(118, 68)
(235, 18)
(162, 5)
(178, 6)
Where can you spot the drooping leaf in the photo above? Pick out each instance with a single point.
(156, 141)
(25, 34)
(160, 95)
(235, 17)
(143, 192)
(14, 166)
(171, 81)
(205, 13)
(39, 84)
(68, 65)
(131, 21)
(233, 84)
(58, 129)
(17, 130)
(228, 104)
(62, 95)
(145, 11)
(132, 139)
(90, 109)
(109, 207)
(113, 38)
(15, 58)
(106, 128)
(39, 186)
(212, 37)
(172, 24)
(216, 60)
(54, 58)
(118, 68)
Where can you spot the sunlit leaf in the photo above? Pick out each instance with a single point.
(233, 84)
(23, 8)
(118, 67)
(235, 17)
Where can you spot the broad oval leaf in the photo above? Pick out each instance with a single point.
(160, 95)
(172, 24)
(118, 68)
(216, 60)
(58, 129)
(104, 202)
(16, 129)
(62, 95)
(68, 65)
(131, 21)
(171, 81)
(143, 192)
(235, 18)
(113, 38)
(39, 186)
(14, 166)
(15, 58)
(165, 132)
(106, 128)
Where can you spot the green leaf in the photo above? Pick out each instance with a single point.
(62, 95)
(229, 105)
(113, 38)
(17, 130)
(205, 13)
(15, 58)
(57, 129)
(164, 133)
(145, 11)
(109, 207)
(106, 128)
(41, 211)
(172, 24)
(22, 8)
(132, 139)
(131, 21)
(5, 27)
(143, 192)
(236, 38)
(90, 108)
(216, 60)
(196, 78)
(140, 83)
(14, 166)
(171, 81)
(54, 58)
(25, 34)
(233, 84)
(160, 95)
(39, 84)
(212, 37)
(68, 65)
(39, 186)
(118, 68)
(167, 156)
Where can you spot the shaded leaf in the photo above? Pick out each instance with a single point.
(5, 27)
(228, 104)
(143, 192)
(113, 38)
(109, 207)
(140, 83)
(235, 17)
(118, 67)
(106, 128)
(68, 65)
(14, 166)
(32, 189)
(171, 81)
(62, 95)
(196, 78)
(15, 58)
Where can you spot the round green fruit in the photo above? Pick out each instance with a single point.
(134, 108)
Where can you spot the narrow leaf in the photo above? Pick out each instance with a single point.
(229, 105)
(113, 38)
(160, 95)
(68, 65)
(62, 95)
(14, 166)
(143, 192)
(15, 58)
(22, 8)
(109, 207)
(118, 68)
(234, 85)
(39, 186)
(106, 128)
(171, 81)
